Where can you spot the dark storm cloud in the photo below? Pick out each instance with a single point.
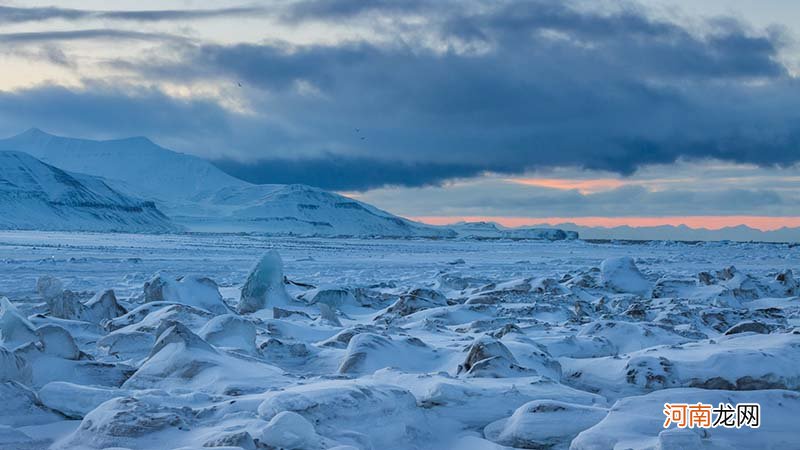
(346, 173)
(11, 14)
(514, 85)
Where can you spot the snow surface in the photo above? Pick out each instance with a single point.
(138, 341)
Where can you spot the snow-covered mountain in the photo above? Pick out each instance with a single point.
(35, 195)
(199, 196)
(138, 163)
(304, 210)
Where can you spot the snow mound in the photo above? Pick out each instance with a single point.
(367, 352)
(629, 336)
(385, 415)
(119, 421)
(416, 300)
(182, 360)
(544, 424)
(745, 361)
(488, 357)
(637, 423)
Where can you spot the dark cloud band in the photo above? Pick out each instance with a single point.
(509, 86)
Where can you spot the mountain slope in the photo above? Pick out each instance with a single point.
(35, 195)
(305, 210)
(199, 196)
(143, 167)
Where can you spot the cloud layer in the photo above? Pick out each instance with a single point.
(434, 92)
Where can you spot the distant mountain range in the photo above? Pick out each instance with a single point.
(682, 233)
(38, 196)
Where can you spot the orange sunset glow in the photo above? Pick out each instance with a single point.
(764, 223)
(584, 186)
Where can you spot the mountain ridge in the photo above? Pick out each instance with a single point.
(36, 195)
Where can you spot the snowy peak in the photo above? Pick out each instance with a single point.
(35, 195)
(144, 167)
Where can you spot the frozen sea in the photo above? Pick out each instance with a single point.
(385, 343)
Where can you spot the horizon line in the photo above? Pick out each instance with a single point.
(713, 223)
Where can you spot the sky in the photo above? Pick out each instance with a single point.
(594, 112)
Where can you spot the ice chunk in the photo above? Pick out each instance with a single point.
(198, 292)
(264, 286)
(327, 314)
(49, 287)
(74, 400)
(65, 305)
(13, 438)
(21, 407)
(14, 367)
(622, 275)
(15, 330)
(103, 306)
(57, 341)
